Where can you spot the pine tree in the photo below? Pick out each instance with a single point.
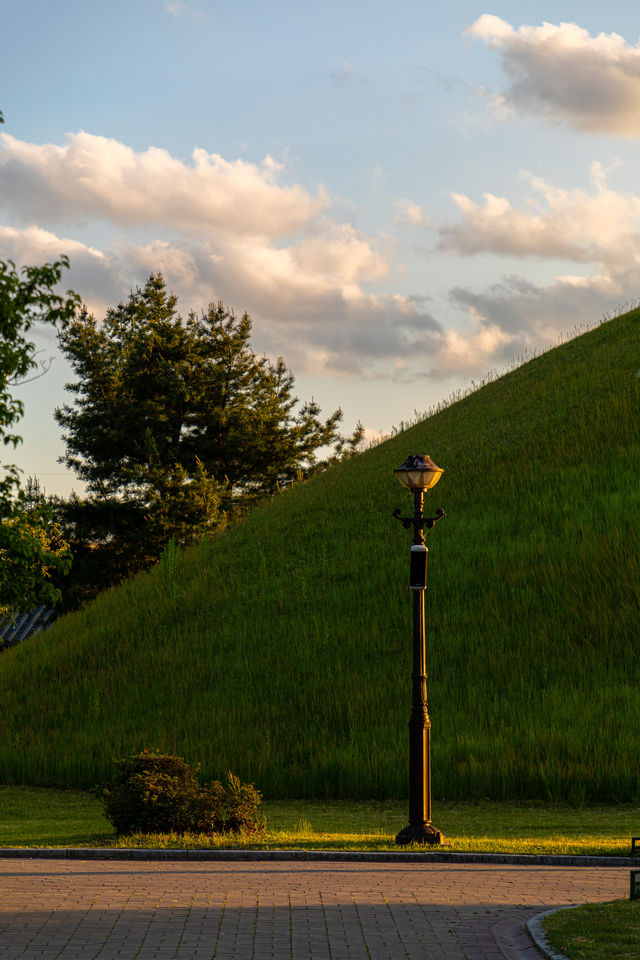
(176, 424)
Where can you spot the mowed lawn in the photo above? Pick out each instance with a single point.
(34, 816)
(597, 931)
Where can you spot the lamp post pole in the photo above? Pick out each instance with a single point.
(419, 473)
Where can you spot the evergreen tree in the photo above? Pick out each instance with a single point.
(177, 424)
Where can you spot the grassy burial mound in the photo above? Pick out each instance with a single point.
(281, 649)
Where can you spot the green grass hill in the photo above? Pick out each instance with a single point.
(281, 649)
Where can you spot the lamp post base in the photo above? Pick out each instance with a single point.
(419, 833)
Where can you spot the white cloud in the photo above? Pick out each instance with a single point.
(563, 73)
(302, 310)
(313, 285)
(33, 244)
(216, 229)
(536, 315)
(514, 318)
(600, 226)
(341, 251)
(410, 214)
(96, 177)
(468, 353)
(100, 275)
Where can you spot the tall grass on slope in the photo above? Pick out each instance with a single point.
(281, 649)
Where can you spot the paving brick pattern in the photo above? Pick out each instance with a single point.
(114, 910)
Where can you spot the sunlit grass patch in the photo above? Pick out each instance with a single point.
(42, 817)
(372, 843)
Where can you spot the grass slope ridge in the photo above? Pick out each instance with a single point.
(281, 649)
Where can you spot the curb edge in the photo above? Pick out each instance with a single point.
(142, 853)
(539, 936)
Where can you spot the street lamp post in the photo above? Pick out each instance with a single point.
(419, 473)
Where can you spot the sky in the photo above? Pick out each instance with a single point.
(403, 196)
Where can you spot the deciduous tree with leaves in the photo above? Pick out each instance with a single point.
(31, 549)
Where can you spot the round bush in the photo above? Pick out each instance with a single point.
(160, 793)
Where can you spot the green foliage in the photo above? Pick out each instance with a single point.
(160, 793)
(285, 640)
(32, 551)
(228, 810)
(152, 793)
(31, 547)
(26, 297)
(126, 431)
(176, 425)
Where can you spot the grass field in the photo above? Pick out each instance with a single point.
(597, 931)
(43, 817)
(281, 648)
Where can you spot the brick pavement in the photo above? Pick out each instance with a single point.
(119, 910)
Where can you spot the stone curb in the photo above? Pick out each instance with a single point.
(539, 936)
(344, 856)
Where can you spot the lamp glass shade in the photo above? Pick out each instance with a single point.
(418, 472)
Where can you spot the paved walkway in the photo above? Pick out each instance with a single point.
(93, 910)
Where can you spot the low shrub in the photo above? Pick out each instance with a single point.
(161, 793)
(233, 808)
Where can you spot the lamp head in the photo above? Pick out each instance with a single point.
(418, 472)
